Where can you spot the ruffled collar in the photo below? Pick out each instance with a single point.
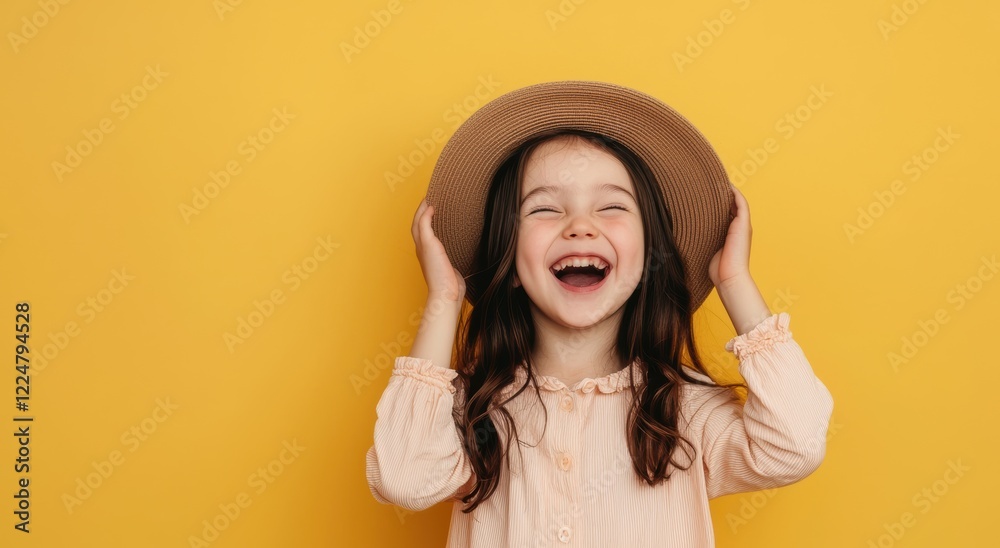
(608, 384)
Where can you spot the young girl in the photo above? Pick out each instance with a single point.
(579, 412)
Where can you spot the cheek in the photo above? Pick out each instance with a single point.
(525, 252)
(629, 247)
(529, 259)
(531, 246)
(627, 239)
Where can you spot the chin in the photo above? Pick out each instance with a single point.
(576, 317)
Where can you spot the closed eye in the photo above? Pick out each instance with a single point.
(616, 206)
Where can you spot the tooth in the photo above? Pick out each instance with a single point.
(580, 262)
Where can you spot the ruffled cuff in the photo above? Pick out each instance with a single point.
(425, 370)
(763, 336)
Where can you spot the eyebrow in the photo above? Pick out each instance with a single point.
(549, 189)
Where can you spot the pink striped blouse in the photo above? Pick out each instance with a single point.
(574, 485)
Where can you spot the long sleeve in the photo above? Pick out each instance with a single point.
(779, 436)
(417, 459)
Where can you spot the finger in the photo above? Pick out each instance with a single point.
(739, 195)
(416, 218)
(741, 202)
(426, 231)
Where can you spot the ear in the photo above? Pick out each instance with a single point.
(517, 282)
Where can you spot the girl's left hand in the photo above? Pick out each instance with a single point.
(733, 260)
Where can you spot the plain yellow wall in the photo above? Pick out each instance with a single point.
(213, 273)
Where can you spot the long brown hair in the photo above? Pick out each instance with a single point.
(656, 329)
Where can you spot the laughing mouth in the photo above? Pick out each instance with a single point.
(581, 276)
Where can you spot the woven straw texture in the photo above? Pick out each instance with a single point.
(692, 177)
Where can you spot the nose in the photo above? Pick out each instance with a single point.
(580, 226)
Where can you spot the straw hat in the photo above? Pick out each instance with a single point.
(693, 180)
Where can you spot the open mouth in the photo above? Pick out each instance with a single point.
(581, 276)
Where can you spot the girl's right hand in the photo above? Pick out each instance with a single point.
(443, 280)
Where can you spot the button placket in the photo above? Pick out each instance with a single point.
(571, 419)
(563, 459)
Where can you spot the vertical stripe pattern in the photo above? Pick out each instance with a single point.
(573, 484)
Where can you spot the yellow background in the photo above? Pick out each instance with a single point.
(65, 237)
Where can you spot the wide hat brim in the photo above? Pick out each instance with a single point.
(690, 173)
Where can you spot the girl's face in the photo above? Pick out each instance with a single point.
(578, 208)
